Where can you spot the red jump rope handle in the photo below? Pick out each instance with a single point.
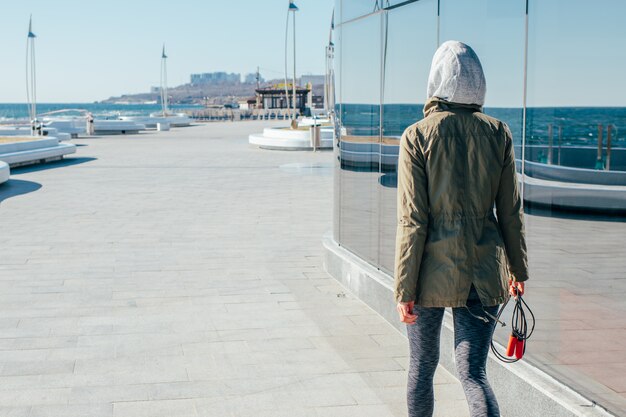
(510, 349)
(519, 348)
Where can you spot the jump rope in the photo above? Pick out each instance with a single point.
(519, 330)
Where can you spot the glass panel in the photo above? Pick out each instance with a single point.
(359, 119)
(411, 43)
(475, 23)
(576, 118)
(502, 57)
(355, 8)
(392, 3)
(337, 38)
(576, 100)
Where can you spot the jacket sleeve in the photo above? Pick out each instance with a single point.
(510, 213)
(413, 212)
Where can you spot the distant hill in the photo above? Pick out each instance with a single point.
(203, 93)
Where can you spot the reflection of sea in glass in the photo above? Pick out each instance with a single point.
(361, 119)
(578, 125)
(570, 127)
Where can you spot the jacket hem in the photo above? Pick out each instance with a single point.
(461, 303)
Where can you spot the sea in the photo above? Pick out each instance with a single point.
(576, 126)
(12, 111)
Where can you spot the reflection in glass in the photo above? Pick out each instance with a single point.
(495, 30)
(575, 155)
(575, 169)
(351, 9)
(411, 43)
(359, 145)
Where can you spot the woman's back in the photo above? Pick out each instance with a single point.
(453, 166)
(464, 150)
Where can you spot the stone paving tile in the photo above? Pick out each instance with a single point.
(28, 397)
(109, 393)
(15, 411)
(354, 411)
(155, 408)
(37, 367)
(91, 410)
(180, 274)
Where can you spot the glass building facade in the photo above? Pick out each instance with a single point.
(554, 71)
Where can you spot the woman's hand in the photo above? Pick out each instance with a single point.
(405, 310)
(516, 288)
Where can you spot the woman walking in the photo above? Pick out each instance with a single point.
(451, 249)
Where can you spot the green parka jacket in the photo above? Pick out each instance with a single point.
(453, 166)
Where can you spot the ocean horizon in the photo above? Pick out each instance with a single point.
(19, 111)
(577, 125)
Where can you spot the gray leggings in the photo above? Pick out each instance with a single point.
(472, 338)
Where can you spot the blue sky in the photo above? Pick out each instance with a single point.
(89, 50)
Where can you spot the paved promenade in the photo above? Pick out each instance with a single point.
(179, 274)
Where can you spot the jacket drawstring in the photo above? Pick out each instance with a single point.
(483, 318)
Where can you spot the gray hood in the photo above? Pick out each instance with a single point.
(456, 75)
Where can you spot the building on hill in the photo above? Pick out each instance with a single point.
(251, 78)
(215, 78)
(275, 97)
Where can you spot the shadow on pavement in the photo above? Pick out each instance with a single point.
(13, 188)
(65, 162)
